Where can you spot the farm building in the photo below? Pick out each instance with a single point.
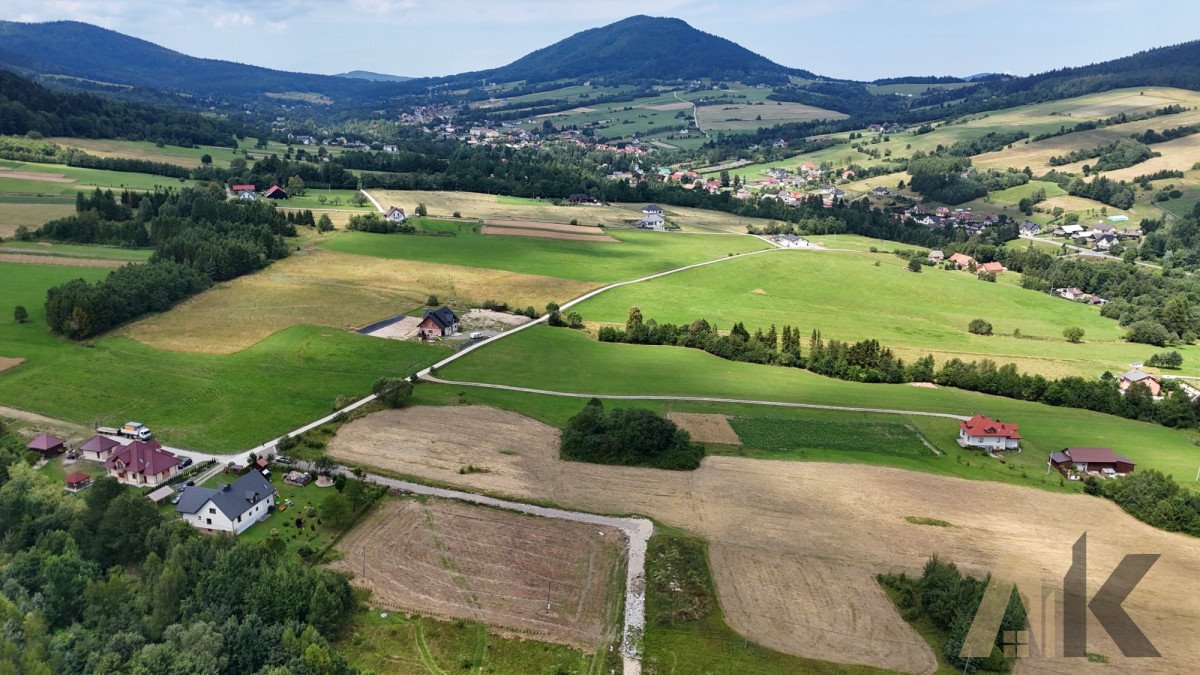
(395, 215)
(438, 323)
(1103, 462)
(77, 481)
(142, 463)
(962, 260)
(46, 445)
(1139, 376)
(275, 192)
(993, 267)
(99, 448)
(988, 434)
(230, 508)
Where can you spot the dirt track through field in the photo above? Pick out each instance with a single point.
(7, 362)
(36, 259)
(795, 546)
(550, 580)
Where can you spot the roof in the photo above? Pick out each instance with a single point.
(395, 209)
(1093, 455)
(986, 426)
(143, 458)
(442, 316)
(76, 477)
(961, 259)
(45, 442)
(99, 443)
(652, 208)
(991, 267)
(243, 188)
(232, 499)
(275, 190)
(1138, 376)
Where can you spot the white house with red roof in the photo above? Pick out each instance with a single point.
(988, 434)
(142, 463)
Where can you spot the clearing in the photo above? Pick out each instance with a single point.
(322, 287)
(551, 580)
(795, 565)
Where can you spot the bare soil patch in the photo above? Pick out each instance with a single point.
(795, 564)
(401, 330)
(553, 227)
(758, 291)
(677, 105)
(545, 234)
(564, 113)
(706, 428)
(923, 385)
(7, 362)
(35, 259)
(539, 578)
(487, 319)
(6, 172)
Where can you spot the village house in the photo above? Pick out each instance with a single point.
(46, 445)
(652, 221)
(1073, 463)
(1029, 229)
(937, 256)
(880, 191)
(652, 210)
(1072, 294)
(99, 448)
(1139, 376)
(246, 192)
(962, 260)
(437, 323)
(276, 192)
(229, 508)
(395, 214)
(789, 241)
(993, 267)
(988, 434)
(142, 463)
(1105, 242)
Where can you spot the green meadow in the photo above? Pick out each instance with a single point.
(77, 250)
(560, 359)
(856, 296)
(636, 254)
(206, 402)
(80, 179)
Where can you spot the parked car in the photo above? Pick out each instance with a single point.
(187, 461)
(190, 483)
(283, 459)
(476, 335)
(176, 498)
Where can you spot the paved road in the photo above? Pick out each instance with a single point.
(696, 399)
(1089, 253)
(378, 207)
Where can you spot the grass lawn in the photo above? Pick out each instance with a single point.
(334, 199)
(637, 254)
(309, 533)
(914, 314)
(77, 250)
(416, 644)
(58, 468)
(565, 360)
(679, 581)
(220, 403)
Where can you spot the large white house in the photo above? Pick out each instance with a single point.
(229, 508)
(988, 434)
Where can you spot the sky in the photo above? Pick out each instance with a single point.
(855, 39)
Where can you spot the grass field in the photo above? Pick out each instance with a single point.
(59, 179)
(637, 253)
(916, 314)
(564, 360)
(31, 215)
(739, 117)
(216, 403)
(148, 150)
(342, 291)
(784, 435)
(77, 250)
(311, 199)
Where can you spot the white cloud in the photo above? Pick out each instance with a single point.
(233, 20)
(276, 27)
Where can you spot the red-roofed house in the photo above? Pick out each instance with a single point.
(989, 434)
(46, 444)
(993, 267)
(77, 481)
(275, 192)
(99, 448)
(1103, 462)
(141, 463)
(243, 190)
(962, 260)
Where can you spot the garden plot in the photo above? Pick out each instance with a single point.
(550, 580)
(706, 428)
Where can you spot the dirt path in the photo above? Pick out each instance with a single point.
(42, 420)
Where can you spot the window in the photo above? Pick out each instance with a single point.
(208, 521)
(239, 519)
(211, 510)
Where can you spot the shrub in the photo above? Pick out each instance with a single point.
(1073, 334)
(1149, 332)
(432, 301)
(914, 265)
(20, 314)
(980, 327)
(393, 391)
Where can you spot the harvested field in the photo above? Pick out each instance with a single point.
(7, 362)
(38, 259)
(677, 105)
(553, 227)
(341, 290)
(795, 565)
(402, 329)
(550, 580)
(564, 113)
(706, 428)
(32, 216)
(6, 172)
(545, 234)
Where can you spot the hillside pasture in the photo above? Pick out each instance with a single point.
(29, 214)
(31, 178)
(150, 151)
(740, 117)
(342, 291)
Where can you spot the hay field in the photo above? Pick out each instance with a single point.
(38, 259)
(325, 288)
(544, 234)
(148, 150)
(706, 428)
(32, 216)
(740, 117)
(539, 578)
(795, 565)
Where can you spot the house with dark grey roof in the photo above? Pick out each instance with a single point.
(438, 323)
(230, 507)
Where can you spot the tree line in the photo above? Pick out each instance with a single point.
(628, 437)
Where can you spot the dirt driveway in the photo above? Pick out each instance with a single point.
(795, 546)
